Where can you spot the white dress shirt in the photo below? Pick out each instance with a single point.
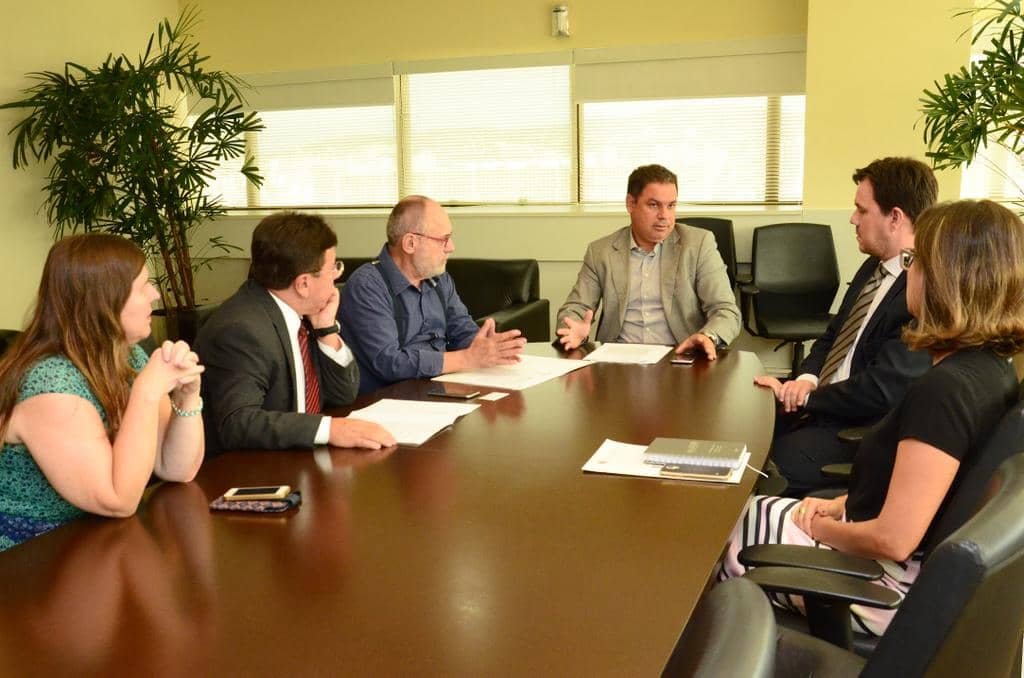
(342, 356)
(892, 271)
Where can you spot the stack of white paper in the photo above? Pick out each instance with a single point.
(413, 422)
(636, 354)
(529, 371)
(625, 459)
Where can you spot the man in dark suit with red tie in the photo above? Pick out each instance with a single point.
(859, 368)
(273, 352)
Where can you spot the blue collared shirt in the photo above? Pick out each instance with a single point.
(367, 317)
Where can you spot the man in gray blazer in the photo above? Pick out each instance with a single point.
(273, 353)
(659, 282)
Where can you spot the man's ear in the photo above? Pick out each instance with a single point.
(301, 284)
(408, 240)
(897, 217)
(630, 203)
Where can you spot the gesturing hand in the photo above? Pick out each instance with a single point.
(491, 348)
(574, 332)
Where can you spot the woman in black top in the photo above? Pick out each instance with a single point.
(965, 289)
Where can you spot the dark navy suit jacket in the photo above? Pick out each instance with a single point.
(882, 364)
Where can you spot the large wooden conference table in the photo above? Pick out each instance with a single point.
(486, 551)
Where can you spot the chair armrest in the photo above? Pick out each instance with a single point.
(826, 586)
(827, 598)
(808, 557)
(853, 434)
(532, 318)
(837, 470)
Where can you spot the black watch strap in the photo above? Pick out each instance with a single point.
(327, 331)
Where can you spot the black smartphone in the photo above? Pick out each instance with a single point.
(683, 360)
(451, 391)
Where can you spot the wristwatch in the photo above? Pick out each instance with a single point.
(327, 331)
(714, 338)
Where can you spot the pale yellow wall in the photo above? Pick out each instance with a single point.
(867, 64)
(260, 36)
(38, 36)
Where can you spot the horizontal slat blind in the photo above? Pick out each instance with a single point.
(500, 135)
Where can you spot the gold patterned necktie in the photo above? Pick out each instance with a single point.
(850, 328)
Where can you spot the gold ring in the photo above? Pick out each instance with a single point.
(800, 511)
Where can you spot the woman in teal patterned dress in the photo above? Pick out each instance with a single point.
(85, 416)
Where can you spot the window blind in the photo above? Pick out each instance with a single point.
(500, 135)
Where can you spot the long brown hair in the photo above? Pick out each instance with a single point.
(971, 256)
(86, 282)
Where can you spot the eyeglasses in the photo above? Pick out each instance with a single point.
(337, 268)
(907, 256)
(444, 240)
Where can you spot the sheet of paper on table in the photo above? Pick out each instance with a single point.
(413, 422)
(529, 371)
(624, 459)
(636, 354)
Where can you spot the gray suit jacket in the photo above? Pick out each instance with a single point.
(695, 289)
(249, 398)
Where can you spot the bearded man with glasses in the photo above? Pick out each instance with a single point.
(401, 314)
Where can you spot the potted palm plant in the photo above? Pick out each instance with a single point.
(982, 103)
(131, 146)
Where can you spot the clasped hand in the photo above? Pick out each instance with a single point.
(172, 368)
(811, 510)
(791, 395)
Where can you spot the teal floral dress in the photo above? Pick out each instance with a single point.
(29, 505)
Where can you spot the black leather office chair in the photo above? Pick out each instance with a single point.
(795, 277)
(964, 615)
(964, 547)
(725, 239)
(507, 290)
(732, 633)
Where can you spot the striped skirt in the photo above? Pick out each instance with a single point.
(766, 520)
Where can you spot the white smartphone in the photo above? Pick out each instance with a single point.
(257, 493)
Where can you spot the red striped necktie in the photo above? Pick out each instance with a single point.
(312, 381)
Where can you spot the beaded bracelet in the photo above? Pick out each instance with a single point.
(187, 413)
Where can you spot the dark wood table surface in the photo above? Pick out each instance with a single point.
(486, 551)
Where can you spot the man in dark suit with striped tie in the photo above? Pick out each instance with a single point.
(859, 368)
(273, 352)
